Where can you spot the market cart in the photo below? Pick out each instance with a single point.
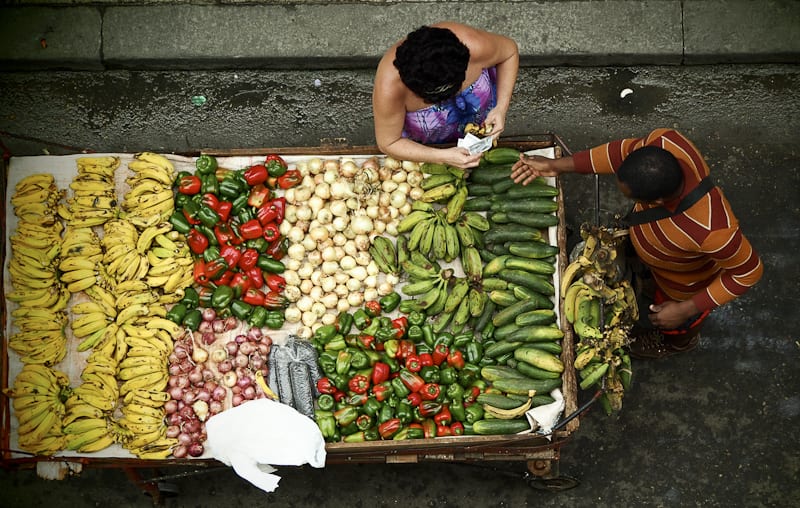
(539, 453)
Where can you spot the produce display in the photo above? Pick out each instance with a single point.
(385, 299)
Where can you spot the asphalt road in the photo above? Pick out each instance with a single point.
(715, 427)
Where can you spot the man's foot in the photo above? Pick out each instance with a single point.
(653, 345)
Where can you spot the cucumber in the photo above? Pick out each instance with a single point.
(535, 372)
(541, 400)
(551, 346)
(535, 317)
(539, 358)
(497, 400)
(501, 155)
(532, 190)
(524, 386)
(532, 219)
(495, 426)
(479, 189)
(512, 233)
(502, 297)
(500, 188)
(532, 281)
(507, 315)
(535, 333)
(499, 249)
(491, 283)
(492, 373)
(530, 265)
(533, 205)
(500, 348)
(534, 250)
(504, 332)
(478, 204)
(485, 316)
(487, 175)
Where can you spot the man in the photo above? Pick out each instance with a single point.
(686, 234)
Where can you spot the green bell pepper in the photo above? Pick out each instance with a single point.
(399, 388)
(326, 402)
(416, 318)
(361, 319)
(445, 338)
(386, 413)
(389, 302)
(469, 374)
(230, 187)
(473, 413)
(179, 222)
(205, 164)
(343, 361)
(448, 376)
(177, 313)
(275, 319)
(192, 319)
(455, 392)
(222, 297)
(414, 333)
(430, 374)
(474, 352)
(325, 333)
(327, 425)
(258, 317)
(457, 409)
(210, 184)
(428, 337)
(372, 407)
(405, 411)
(460, 341)
(344, 322)
(359, 359)
(208, 216)
(238, 204)
(190, 298)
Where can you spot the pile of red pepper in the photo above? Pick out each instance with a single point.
(231, 220)
(395, 378)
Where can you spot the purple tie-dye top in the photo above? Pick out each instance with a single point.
(444, 122)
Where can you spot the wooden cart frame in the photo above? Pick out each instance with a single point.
(538, 452)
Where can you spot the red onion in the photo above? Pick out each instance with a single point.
(171, 406)
(218, 325)
(240, 339)
(209, 338)
(191, 426)
(266, 339)
(215, 407)
(231, 347)
(256, 362)
(182, 381)
(180, 452)
(244, 382)
(230, 323)
(187, 413)
(203, 394)
(173, 358)
(174, 418)
(196, 375)
(210, 384)
(188, 397)
(173, 431)
(247, 348)
(237, 400)
(254, 334)
(174, 369)
(186, 365)
(225, 366)
(219, 393)
(176, 392)
(180, 352)
(249, 393)
(241, 360)
(264, 348)
(205, 326)
(209, 314)
(184, 438)
(196, 449)
(208, 375)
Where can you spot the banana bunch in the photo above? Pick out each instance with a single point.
(93, 200)
(37, 397)
(121, 260)
(150, 198)
(35, 200)
(506, 413)
(384, 254)
(80, 265)
(601, 306)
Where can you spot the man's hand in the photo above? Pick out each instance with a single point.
(669, 315)
(529, 168)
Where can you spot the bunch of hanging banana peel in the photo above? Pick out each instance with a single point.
(601, 306)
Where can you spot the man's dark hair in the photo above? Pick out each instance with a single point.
(432, 63)
(651, 173)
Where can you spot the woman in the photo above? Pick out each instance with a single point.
(429, 85)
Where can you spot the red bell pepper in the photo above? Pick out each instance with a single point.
(255, 174)
(430, 391)
(440, 353)
(253, 296)
(414, 398)
(248, 259)
(226, 277)
(189, 185)
(357, 399)
(224, 210)
(443, 417)
(271, 232)
(426, 359)
(366, 341)
(289, 179)
(455, 359)
(339, 395)
(197, 241)
(230, 254)
(272, 211)
(325, 385)
(275, 301)
(382, 391)
(276, 166)
(429, 427)
(199, 273)
(406, 349)
(216, 268)
(413, 364)
(429, 408)
(401, 325)
(457, 429)
(191, 219)
(225, 234)
(241, 284)
(471, 395)
(275, 282)
(210, 200)
(443, 430)
(358, 384)
(258, 196)
(389, 428)
(256, 275)
(251, 229)
(412, 381)
(380, 373)
(277, 249)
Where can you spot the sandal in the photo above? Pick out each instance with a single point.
(652, 345)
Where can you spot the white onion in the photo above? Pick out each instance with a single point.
(355, 299)
(338, 208)
(309, 318)
(343, 305)
(370, 294)
(329, 319)
(292, 314)
(304, 303)
(296, 251)
(347, 262)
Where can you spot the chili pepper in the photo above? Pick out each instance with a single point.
(255, 174)
(345, 416)
(413, 364)
(474, 352)
(428, 335)
(361, 319)
(430, 374)
(271, 232)
(189, 185)
(275, 301)
(230, 187)
(399, 388)
(440, 353)
(214, 269)
(443, 417)
(289, 179)
(360, 360)
(411, 380)
(179, 223)
(276, 166)
(268, 264)
(277, 249)
(429, 408)
(241, 310)
(177, 313)
(205, 164)
(455, 391)
(192, 319)
(209, 184)
(325, 385)
(429, 428)
(473, 413)
(222, 298)
(429, 391)
(404, 411)
(258, 196)
(251, 229)
(414, 398)
(455, 359)
(382, 390)
(275, 282)
(197, 241)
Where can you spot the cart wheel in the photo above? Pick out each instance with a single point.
(555, 484)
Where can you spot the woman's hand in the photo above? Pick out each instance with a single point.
(459, 157)
(496, 119)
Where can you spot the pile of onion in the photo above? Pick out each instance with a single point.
(212, 370)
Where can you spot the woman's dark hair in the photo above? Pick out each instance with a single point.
(651, 173)
(432, 63)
